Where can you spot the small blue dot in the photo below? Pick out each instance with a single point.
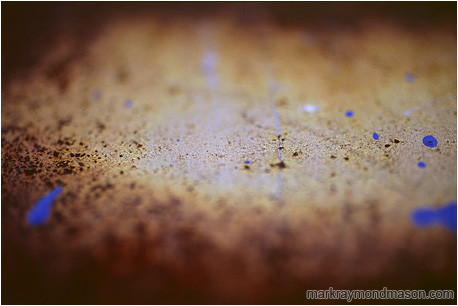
(128, 104)
(178, 140)
(421, 165)
(349, 113)
(375, 136)
(430, 141)
(247, 162)
(409, 77)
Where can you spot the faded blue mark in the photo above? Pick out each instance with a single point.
(247, 162)
(279, 192)
(308, 39)
(209, 61)
(309, 108)
(430, 141)
(375, 136)
(427, 104)
(209, 64)
(273, 87)
(428, 216)
(128, 104)
(421, 164)
(407, 112)
(409, 77)
(96, 95)
(40, 212)
(349, 113)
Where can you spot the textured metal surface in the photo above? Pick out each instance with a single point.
(193, 171)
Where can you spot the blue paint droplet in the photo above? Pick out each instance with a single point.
(349, 113)
(427, 216)
(39, 213)
(421, 164)
(247, 162)
(96, 95)
(430, 141)
(178, 140)
(128, 104)
(409, 77)
(375, 136)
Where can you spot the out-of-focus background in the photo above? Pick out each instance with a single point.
(227, 152)
(30, 28)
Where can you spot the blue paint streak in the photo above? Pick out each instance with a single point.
(445, 216)
(375, 136)
(421, 164)
(247, 162)
(423, 217)
(128, 104)
(96, 95)
(430, 141)
(409, 77)
(40, 212)
(349, 113)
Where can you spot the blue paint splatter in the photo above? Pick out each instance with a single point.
(178, 140)
(430, 141)
(349, 113)
(409, 77)
(421, 164)
(375, 136)
(247, 162)
(96, 95)
(428, 216)
(42, 208)
(128, 104)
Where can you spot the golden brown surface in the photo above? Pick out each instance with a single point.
(145, 218)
